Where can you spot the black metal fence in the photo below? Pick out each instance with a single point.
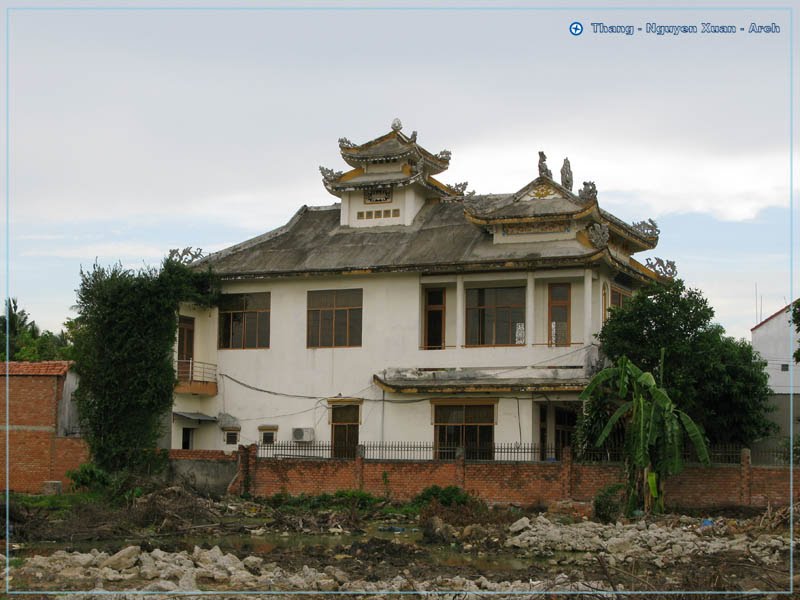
(411, 451)
(500, 452)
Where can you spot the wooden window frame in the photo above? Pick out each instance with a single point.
(349, 310)
(229, 315)
(448, 452)
(559, 303)
(495, 307)
(428, 308)
(349, 449)
(227, 432)
(624, 295)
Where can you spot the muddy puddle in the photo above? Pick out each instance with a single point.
(274, 546)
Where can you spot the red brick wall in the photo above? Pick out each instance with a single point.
(587, 480)
(69, 454)
(178, 454)
(518, 483)
(700, 487)
(302, 476)
(404, 480)
(36, 456)
(771, 485)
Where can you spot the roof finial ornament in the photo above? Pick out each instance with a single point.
(647, 228)
(397, 125)
(543, 170)
(589, 192)
(413, 137)
(566, 175)
(665, 268)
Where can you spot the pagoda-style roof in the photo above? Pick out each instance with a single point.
(440, 240)
(544, 200)
(415, 164)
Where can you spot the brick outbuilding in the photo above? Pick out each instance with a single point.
(43, 437)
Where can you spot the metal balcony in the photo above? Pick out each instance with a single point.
(196, 377)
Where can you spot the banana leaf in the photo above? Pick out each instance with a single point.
(696, 437)
(620, 412)
(652, 483)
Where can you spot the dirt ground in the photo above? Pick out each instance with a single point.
(375, 544)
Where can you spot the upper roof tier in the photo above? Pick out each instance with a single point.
(412, 162)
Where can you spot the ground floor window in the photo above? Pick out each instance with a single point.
(186, 438)
(344, 430)
(565, 426)
(268, 434)
(231, 437)
(467, 426)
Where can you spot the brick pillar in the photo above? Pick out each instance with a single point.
(461, 470)
(565, 475)
(744, 478)
(359, 466)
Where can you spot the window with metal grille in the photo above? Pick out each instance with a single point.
(558, 332)
(496, 316)
(334, 319)
(231, 437)
(244, 321)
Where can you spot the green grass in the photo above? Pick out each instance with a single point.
(56, 503)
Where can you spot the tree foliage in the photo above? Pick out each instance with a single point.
(654, 428)
(721, 382)
(124, 336)
(796, 321)
(25, 341)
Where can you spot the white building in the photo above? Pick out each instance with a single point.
(772, 339)
(408, 311)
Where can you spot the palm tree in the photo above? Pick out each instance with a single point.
(654, 428)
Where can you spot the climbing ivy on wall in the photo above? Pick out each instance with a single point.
(124, 338)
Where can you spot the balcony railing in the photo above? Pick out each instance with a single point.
(194, 370)
(196, 377)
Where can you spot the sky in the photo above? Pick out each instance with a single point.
(131, 132)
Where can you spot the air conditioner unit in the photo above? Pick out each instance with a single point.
(303, 434)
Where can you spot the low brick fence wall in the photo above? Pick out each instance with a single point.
(524, 483)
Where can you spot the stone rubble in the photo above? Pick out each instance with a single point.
(560, 544)
(624, 543)
(185, 572)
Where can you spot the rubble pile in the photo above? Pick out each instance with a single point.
(639, 541)
(158, 571)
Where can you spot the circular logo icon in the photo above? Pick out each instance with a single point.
(576, 28)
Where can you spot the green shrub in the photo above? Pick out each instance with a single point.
(452, 495)
(89, 477)
(608, 503)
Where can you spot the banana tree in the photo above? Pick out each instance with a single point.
(654, 428)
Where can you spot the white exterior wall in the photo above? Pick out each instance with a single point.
(773, 342)
(392, 336)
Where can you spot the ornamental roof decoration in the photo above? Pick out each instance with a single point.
(665, 268)
(566, 174)
(589, 192)
(648, 228)
(543, 170)
(598, 235)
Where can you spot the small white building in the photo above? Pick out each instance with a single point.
(409, 311)
(772, 338)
